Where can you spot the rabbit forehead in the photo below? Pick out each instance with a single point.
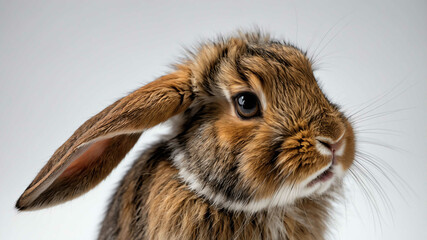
(280, 74)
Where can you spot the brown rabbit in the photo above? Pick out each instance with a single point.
(258, 151)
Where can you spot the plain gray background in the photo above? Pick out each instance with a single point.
(63, 61)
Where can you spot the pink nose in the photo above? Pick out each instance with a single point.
(333, 146)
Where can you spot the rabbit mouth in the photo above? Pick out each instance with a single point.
(324, 179)
(323, 176)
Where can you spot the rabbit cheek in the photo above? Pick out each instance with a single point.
(231, 131)
(257, 165)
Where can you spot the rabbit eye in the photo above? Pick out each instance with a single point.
(247, 105)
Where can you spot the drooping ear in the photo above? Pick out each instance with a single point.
(97, 146)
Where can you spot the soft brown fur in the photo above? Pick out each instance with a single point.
(240, 160)
(166, 209)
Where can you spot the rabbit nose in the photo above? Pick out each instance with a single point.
(327, 146)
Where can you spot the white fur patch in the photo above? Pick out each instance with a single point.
(285, 195)
(322, 149)
(340, 151)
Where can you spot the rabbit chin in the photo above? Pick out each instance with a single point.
(282, 197)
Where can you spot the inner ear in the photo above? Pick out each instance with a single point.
(91, 153)
(84, 168)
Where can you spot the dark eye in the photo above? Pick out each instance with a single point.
(247, 105)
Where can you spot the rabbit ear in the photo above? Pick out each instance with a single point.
(97, 146)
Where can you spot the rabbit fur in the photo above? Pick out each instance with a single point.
(222, 174)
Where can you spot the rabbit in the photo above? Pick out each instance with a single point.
(257, 150)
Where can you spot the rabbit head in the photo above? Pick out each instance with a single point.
(260, 133)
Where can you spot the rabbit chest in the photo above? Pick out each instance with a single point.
(155, 202)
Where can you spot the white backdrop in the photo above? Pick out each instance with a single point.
(63, 61)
